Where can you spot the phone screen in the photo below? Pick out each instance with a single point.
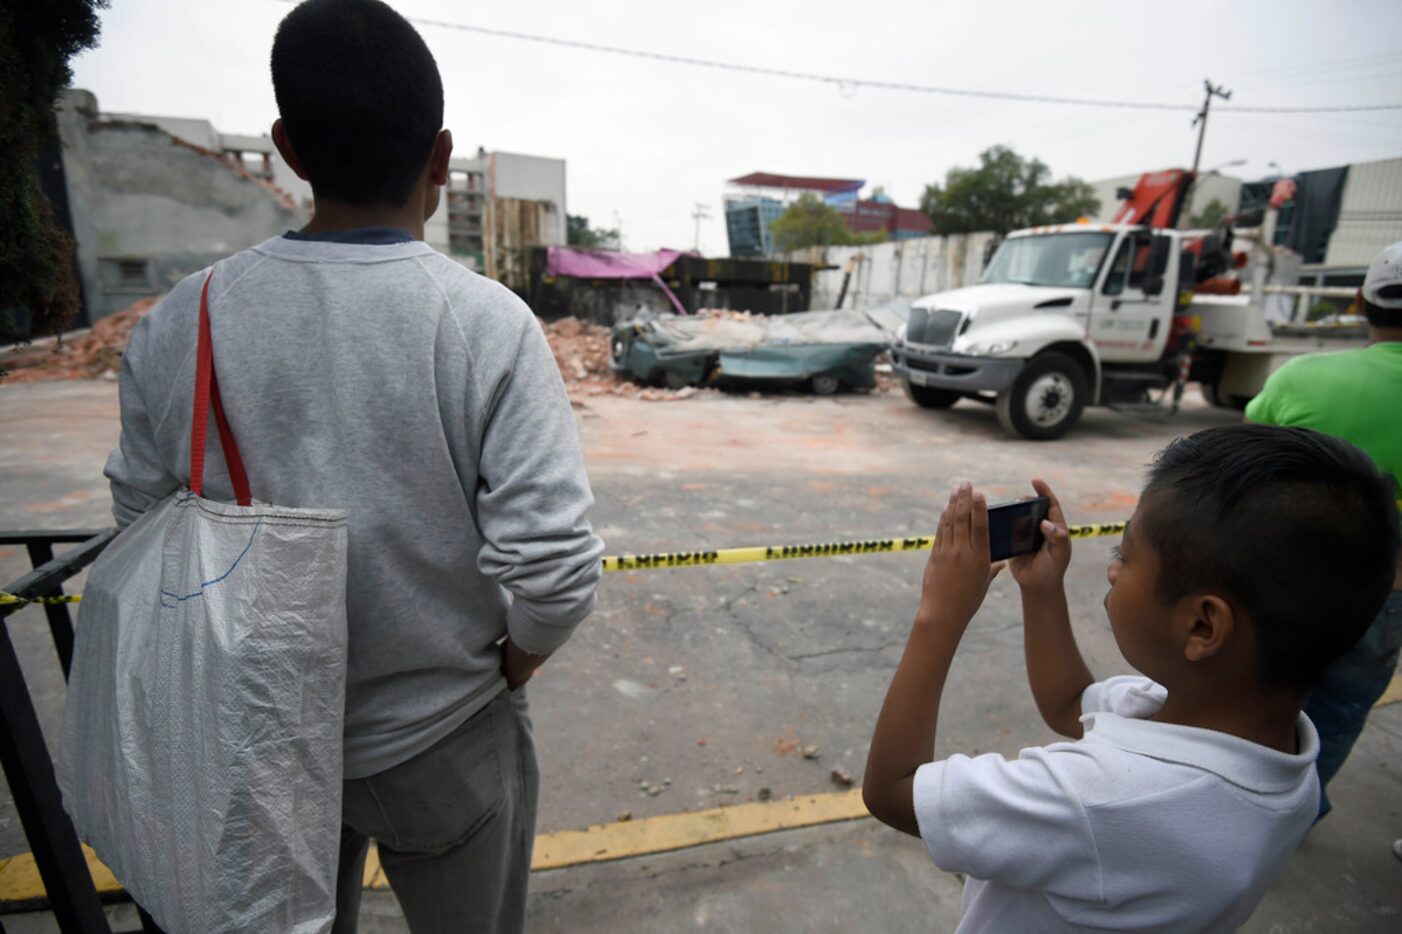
(1016, 528)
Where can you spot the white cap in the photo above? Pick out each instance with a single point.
(1385, 274)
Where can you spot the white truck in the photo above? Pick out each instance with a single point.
(1078, 314)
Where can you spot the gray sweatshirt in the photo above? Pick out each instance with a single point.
(389, 381)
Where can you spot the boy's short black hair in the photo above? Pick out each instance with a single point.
(360, 97)
(1296, 528)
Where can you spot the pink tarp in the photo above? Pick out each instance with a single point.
(611, 264)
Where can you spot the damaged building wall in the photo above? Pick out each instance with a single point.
(515, 176)
(497, 205)
(512, 227)
(897, 269)
(150, 208)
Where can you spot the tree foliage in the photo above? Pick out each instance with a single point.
(1005, 192)
(1212, 214)
(38, 289)
(579, 233)
(811, 222)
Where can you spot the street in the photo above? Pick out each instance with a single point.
(697, 688)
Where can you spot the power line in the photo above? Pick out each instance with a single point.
(856, 83)
(1331, 65)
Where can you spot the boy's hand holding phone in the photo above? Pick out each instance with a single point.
(1056, 672)
(1043, 570)
(958, 572)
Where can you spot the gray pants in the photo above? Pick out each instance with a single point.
(454, 827)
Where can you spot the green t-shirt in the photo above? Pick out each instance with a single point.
(1351, 394)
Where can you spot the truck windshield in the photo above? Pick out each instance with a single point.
(1066, 260)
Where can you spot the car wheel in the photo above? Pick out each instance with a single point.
(826, 385)
(674, 380)
(1045, 400)
(927, 397)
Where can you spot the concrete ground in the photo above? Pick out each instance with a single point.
(715, 678)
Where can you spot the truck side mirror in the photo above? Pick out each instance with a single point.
(1158, 259)
(1156, 264)
(1187, 270)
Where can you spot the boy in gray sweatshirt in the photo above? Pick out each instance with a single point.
(363, 371)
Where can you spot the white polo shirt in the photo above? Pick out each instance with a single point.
(1137, 826)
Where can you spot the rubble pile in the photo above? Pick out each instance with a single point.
(581, 351)
(88, 355)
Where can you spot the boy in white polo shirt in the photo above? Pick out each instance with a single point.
(1256, 556)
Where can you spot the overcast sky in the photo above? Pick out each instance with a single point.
(645, 141)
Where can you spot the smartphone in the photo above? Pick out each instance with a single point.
(1016, 528)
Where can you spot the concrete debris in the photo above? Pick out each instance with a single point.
(624, 816)
(810, 752)
(90, 354)
(841, 776)
(581, 351)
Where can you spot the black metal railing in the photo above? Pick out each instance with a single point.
(71, 895)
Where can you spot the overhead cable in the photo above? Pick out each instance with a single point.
(857, 83)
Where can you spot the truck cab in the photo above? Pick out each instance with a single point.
(1065, 316)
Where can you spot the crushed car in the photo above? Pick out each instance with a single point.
(824, 351)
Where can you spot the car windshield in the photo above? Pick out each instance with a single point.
(1066, 260)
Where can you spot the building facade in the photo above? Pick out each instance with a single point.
(747, 220)
(154, 198)
(497, 205)
(150, 205)
(758, 199)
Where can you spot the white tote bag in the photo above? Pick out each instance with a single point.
(201, 745)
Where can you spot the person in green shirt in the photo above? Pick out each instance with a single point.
(1355, 395)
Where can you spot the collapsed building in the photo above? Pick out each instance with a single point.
(150, 199)
(148, 206)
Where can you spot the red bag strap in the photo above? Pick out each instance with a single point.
(207, 392)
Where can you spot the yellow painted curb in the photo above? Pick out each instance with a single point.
(678, 831)
(20, 882)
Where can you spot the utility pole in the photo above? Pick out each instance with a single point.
(699, 214)
(1200, 121)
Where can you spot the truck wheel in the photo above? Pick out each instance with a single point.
(1045, 400)
(826, 385)
(927, 397)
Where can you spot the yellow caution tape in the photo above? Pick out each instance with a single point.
(870, 546)
(710, 557)
(9, 599)
(706, 558)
